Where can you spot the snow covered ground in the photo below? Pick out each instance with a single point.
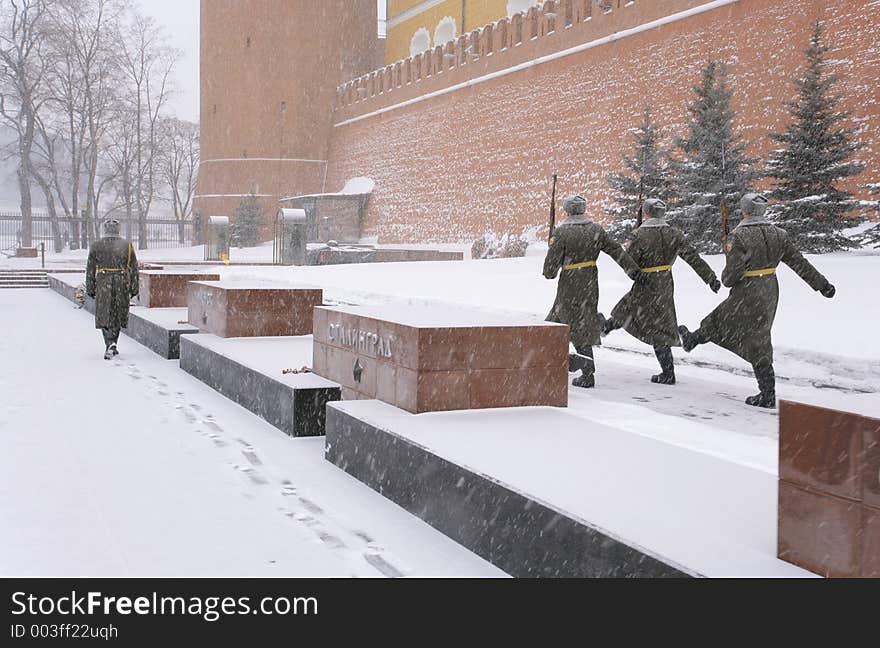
(134, 468)
(195, 485)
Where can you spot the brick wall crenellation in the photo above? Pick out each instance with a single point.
(452, 160)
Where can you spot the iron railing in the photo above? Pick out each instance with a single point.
(78, 233)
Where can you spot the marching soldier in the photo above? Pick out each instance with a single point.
(112, 280)
(574, 248)
(647, 312)
(742, 323)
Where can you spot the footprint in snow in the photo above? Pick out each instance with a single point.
(363, 535)
(383, 566)
(252, 457)
(310, 506)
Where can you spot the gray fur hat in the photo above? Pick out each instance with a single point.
(754, 204)
(653, 208)
(575, 205)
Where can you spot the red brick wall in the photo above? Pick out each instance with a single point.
(269, 70)
(451, 167)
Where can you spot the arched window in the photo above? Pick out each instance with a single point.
(445, 31)
(421, 42)
(519, 6)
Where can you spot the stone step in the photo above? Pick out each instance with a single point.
(31, 283)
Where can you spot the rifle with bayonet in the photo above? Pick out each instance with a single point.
(553, 207)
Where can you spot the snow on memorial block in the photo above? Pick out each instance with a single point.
(232, 310)
(168, 288)
(433, 358)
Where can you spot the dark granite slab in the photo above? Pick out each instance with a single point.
(524, 537)
(296, 406)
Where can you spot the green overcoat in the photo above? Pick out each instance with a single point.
(576, 241)
(742, 323)
(647, 312)
(112, 279)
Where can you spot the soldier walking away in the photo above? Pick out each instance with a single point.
(112, 280)
(574, 248)
(742, 323)
(647, 312)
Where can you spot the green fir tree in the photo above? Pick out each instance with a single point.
(646, 176)
(871, 237)
(817, 151)
(247, 223)
(711, 164)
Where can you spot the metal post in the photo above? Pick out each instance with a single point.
(43, 253)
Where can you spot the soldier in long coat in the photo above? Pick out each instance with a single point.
(112, 280)
(647, 312)
(742, 323)
(574, 248)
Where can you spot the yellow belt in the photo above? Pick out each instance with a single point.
(106, 270)
(665, 268)
(578, 266)
(760, 273)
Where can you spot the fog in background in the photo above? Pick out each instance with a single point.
(180, 18)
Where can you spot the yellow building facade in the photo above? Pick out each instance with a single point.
(417, 25)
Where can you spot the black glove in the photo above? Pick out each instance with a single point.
(829, 291)
(715, 285)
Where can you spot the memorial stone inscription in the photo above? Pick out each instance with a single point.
(427, 359)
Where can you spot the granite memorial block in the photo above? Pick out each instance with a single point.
(829, 491)
(232, 310)
(168, 288)
(428, 359)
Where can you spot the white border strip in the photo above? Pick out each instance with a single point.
(549, 57)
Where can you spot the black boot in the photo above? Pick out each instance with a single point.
(667, 365)
(606, 326)
(577, 362)
(585, 380)
(767, 384)
(690, 341)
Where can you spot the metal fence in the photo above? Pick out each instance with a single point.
(78, 233)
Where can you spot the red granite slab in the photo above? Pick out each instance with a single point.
(242, 310)
(426, 359)
(829, 468)
(168, 288)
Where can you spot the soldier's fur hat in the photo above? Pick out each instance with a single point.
(575, 205)
(111, 226)
(653, 208)
(754, 204)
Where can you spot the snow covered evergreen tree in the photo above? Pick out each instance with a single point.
(647, 176)
(711, 162)
(816, 153)
(247, 223)
(871, 237)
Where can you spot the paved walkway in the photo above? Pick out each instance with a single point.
(133, 468)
